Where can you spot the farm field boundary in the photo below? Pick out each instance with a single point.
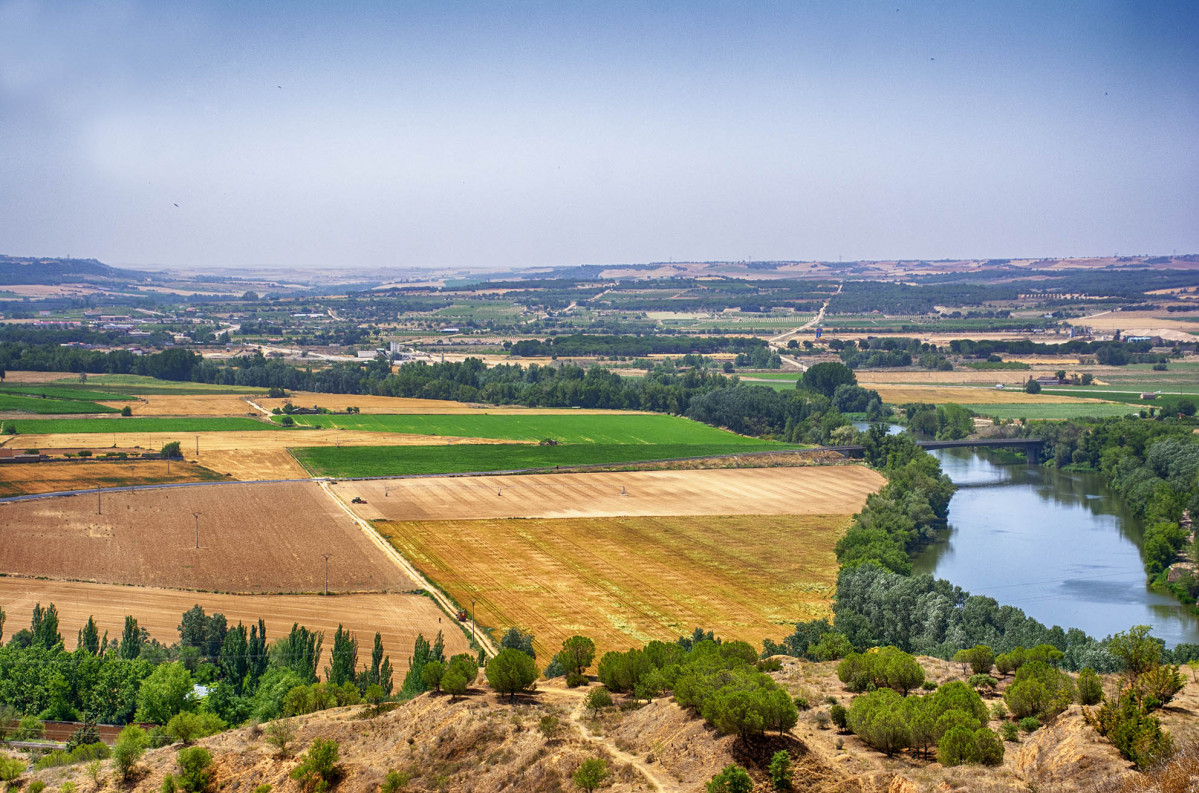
(388, 461)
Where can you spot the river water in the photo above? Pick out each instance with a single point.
(1059, 545)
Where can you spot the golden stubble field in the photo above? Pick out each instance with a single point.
(625, 581)
(254, 538)
(404, 405)
(397, 617)
(902, 394)
(53, 477)
(810, 490)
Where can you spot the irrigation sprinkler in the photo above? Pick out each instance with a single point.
(197, 515)
(98, 512)
(326, 555)
(623, 492)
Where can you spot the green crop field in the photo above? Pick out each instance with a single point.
(464, 458)
(62, 391)
(33, 404)
(139, 384)
(1062, 410)
(138, 424)
(581, 428)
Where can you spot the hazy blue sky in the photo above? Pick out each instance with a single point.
(518, 134)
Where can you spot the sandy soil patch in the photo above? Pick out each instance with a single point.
(382, 404)
(398, 617)
(898, 395)
(51, 477)
(247, 456)
(625, 581)
(254, 538)
(757, 491)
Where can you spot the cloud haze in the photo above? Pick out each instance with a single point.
(519, 134)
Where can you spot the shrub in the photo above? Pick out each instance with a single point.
(1090, 687)
(1030, 724)
(732, 779)
(1039, 690)
(780, 770)
(1132, 730)
(432, 674)
(839, 716)
(822, 720)
(574, 680)
(801, 702)
(318, 768)
(10, 768)
(983, 681)
(280, 734)
(454, 684)
(597, 699)
(68, 787)
(187, 727)
(1009, 731)
(929, 685)
(548, 725)
(394, 781)
(168, 784)
(36, 786)
(591, 773)
(998, 710)
(194, 764)
(128, 749)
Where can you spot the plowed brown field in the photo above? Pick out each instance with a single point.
(245, 455)
(819, 490)
(625, 581)
(190, 405)
(398, 617)
(254, 538)
(51, 477)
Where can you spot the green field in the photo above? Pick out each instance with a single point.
(581, 428)
(138, 424)
(1064, 410)
(62, 391)
(33, 404)
(139, 384)
(465, 458)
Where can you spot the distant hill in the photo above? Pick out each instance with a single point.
(44, 270)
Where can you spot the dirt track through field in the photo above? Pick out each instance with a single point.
(757, 491)
(264, 538)
(398, 617)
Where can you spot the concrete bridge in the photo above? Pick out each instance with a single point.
(1031, 446)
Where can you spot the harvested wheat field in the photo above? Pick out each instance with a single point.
(404, 405)
(254, 538)
(902, 394)
(244, 455)
(625, 581)
(53, 477)
(814, 490)
(38, 377)
(976, 377)
(398, 617)
(190, 405)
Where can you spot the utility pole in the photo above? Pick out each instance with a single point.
(473, 637)
(98, 500)
(326, 555)
(197, 515)
(197, 445)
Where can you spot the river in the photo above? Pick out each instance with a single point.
(1059, 545)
